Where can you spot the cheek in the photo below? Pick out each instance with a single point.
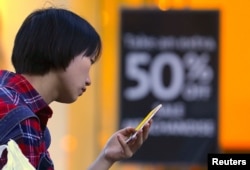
(78, 71)
(69, 90)
(68, 81)
(73, 82)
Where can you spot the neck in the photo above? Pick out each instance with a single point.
(44, 85)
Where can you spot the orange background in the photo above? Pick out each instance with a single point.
(80, 130)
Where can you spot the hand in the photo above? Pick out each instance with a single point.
(117, 149)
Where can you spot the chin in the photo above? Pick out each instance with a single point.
(67, 100)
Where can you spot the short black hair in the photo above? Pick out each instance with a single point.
(50, 38)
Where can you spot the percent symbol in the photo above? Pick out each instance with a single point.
(198, 68)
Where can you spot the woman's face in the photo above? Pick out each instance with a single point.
(74, 80)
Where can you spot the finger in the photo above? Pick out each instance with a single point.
(126, 151)
(139, 138)
(150, 122)
(146, 131)
(131, 138)
(127, 131)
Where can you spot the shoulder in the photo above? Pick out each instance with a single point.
(20, 123)
(9, 99)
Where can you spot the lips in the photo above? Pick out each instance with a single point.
(82, 91)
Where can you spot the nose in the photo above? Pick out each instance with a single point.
(88, 81)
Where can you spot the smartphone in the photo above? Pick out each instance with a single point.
(149, 116)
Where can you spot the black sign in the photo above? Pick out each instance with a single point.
(171, 57)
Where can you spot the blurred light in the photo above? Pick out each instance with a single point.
(105, 17)
(162, 4)
(69, 143)
(103, 138)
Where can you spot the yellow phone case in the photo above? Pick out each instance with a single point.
(149, 116)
